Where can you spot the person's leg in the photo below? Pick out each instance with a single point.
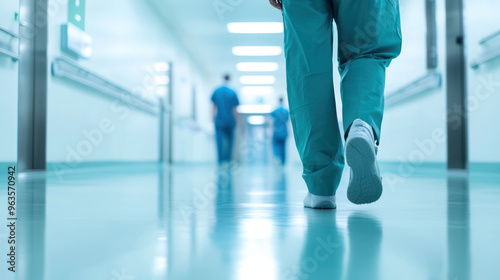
(230, 143)
(283, 151)
(219, 140)
(278, 149)
(308, 52)
(275, 147)
(369, 38)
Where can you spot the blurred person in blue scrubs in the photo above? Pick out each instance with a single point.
(369, 38)
(225, 101)
(280, 132)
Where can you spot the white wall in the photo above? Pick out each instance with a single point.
(412, 130)
(420, 118)
(8, 114)
(128, 40)
(483, 83)
(193, 140)
(8, 90)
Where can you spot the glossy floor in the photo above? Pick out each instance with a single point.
(201, 222)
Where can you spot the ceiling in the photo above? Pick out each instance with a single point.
(201, 26)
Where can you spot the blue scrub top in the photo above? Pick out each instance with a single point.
(225, 99)
(280, 117)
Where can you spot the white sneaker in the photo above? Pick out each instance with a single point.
(319, 202)
(365, 184)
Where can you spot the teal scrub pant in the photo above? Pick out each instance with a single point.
(369, 36)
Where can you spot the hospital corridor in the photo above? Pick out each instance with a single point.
(249, 139)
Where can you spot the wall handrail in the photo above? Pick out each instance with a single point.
(489, 54)
(485, 57)
(5, 51)
(8, 32)
(9, 54)
(64, 68)
(431, 80)
(489, 38)
(191, 125)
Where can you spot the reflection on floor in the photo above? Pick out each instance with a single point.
(247, 222)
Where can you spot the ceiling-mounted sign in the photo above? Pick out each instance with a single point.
(76, 13)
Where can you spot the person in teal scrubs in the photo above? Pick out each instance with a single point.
(225, 100)
(369, 36)
(280, 131)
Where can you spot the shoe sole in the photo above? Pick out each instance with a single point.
(366, 185)
(323, 205)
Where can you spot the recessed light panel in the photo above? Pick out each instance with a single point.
(257, 80)
(256, 90)
(255, 27)
(257, 66)
(257, 51)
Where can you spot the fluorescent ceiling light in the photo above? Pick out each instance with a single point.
(257, 80)
(257, 51)
(255, 27)
(254, 109)
(257, 90)
(256, 120)
(257, 66)
(161, 67)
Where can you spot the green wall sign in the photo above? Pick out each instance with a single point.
(76, 13)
